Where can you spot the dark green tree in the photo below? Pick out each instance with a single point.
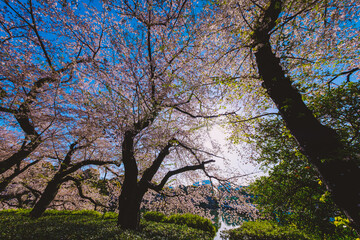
(293, 192)
(321, 144)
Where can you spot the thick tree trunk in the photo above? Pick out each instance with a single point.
(131, 196)
(321, 144)
(129, 207)
(46, 198)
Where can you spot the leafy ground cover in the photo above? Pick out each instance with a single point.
(270, 230)
(190, 220)
(68, 225)
(258, 230)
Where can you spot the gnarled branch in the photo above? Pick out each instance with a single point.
(175, 172)
(81, 193)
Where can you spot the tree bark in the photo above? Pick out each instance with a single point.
(46, 197)
(129, 206)
(321, 144)
(19, 156)
(131, 196)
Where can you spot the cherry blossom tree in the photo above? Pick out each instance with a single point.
(40, 51)
(157, 95)
(44, 43)
(138, 70)
(150, 76)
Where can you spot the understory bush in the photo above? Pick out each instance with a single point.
(259, 230)
(188, 219)
(193, 221)
(169, 231)
(154, 216)
(86, 225)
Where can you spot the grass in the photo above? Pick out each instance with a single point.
(77, 225)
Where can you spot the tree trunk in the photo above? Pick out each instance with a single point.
(46, 198)
(321, 144)
(131, 193)
(129, 207)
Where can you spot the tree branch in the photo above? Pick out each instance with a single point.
(81, 164)
(67, 159)
(288, 19)
(12, 196)
(17, 172)
(81, 193)
(35, 192)
(7, 110)
(202, 116)
(151, 171)
(20, 155)
(348, 73)
(252, 118)
(180, 170)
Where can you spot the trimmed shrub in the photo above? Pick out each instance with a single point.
(187, 219)
(168, 231)
(193, 221)
(154, 216)
(258, 230)
(52, 212)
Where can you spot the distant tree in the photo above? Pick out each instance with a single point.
(201, 200)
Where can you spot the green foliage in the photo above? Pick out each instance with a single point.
(259, 230)
(338, 107)
(193, 221)
(167, 231)
(50, 212)
(292, 193)
(76, 225)
(110, 215)
(19, 211)
(59, 225)
(76, 212)
(101, 185)
(187, 219)
(154, 216)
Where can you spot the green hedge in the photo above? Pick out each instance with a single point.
(259, 230)
(190, 220)
(154, 216)
(169, 231)
(87, 225)
(193, 221)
